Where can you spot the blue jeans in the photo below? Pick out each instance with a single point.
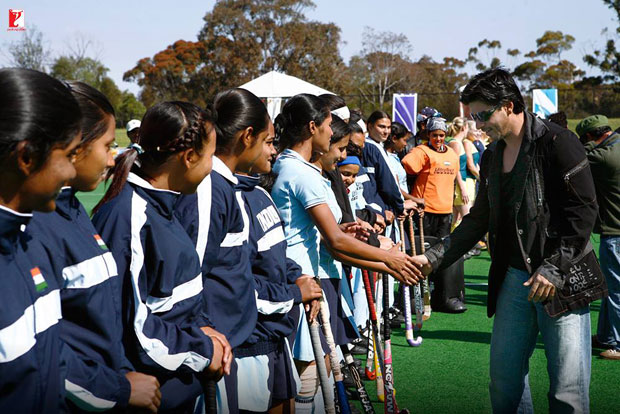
(567, 346)
(608, 329)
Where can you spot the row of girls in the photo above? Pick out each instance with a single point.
(189, 271)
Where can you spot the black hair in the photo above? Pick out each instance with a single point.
(38, 110)
(96, 110)
(494, 87)
(237, 110)
(600, 131)
(398, 131)
(340, 129)
(291, 125)
(559, 118)
(356, 116)
(377, 115)
(167, 128)
(333, 101)
(355, 150)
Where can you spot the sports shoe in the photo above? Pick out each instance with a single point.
(361, 341)
(346, 376)
(397, 315)
(481, 245)
(611, 354)
(453, 305)
(359, 350)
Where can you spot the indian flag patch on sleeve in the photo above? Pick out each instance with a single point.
(100, 242)
(39, 281)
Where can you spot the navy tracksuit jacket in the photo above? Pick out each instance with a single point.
(162, 288)
(91, 305)
(383, 188)
(217, 222)
(31, 352)
(274, 273)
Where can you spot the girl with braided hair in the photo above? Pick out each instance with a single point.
(166, 333)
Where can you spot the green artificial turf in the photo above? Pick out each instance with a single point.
(448, 373)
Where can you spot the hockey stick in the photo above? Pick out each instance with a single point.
(359, 385)
(376, 284)
(371, 374)
(417, 295)
(209, 389)
(343, 402)
(427, 291)
(328, 391)
(373, 321)
(408, 326)
(388, 374)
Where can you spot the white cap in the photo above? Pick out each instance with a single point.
(133, 124)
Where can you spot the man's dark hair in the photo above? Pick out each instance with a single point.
(494, 87)
(559, 118)
(600, 131)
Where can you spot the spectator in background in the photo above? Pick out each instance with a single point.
(603, 151)
(477, 137)
(421, 136)
(463, 199)
(397, 140)
(435, 166)
(133, 129)
(559, 118)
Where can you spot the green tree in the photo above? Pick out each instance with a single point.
(545, 67)
(552, 44)
(129, 108)
(30, 52)
(381, 67)
(239, 41)
(607, 59)
(490, 48)
(437, 83)
(77, 66)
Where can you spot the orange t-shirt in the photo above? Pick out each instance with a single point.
(436, 173)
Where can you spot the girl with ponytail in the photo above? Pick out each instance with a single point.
(217, 221)
(165, 331)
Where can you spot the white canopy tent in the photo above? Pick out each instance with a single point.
(274, 86)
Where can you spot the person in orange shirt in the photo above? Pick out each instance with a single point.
(435, 167)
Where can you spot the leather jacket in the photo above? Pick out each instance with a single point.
(553, 221)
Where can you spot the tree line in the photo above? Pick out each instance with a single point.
(241, 39)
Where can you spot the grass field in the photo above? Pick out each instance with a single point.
(449, 371)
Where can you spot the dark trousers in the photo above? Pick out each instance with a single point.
(450, 282)
(437, 225)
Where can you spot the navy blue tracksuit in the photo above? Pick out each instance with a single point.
(386, 191)
(274, 273)
(31, 352)
(217, 222)
(91, 305)
(162, 289)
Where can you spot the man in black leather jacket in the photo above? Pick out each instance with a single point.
(537, 202)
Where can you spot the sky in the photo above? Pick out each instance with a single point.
(125, 31)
